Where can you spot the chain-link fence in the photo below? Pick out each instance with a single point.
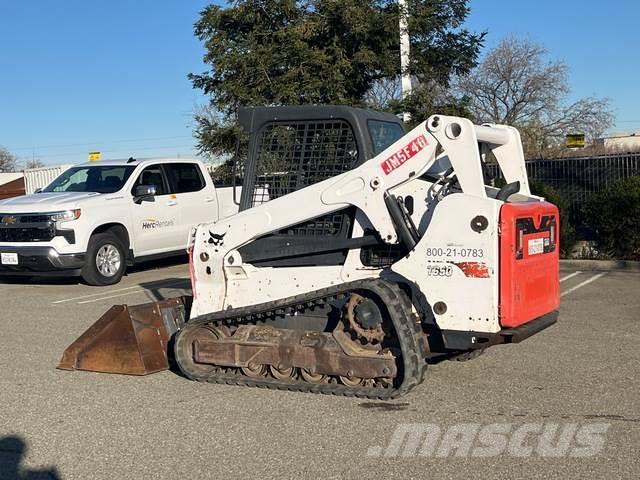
(579, 178)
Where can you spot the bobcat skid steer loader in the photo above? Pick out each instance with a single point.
(359, 252)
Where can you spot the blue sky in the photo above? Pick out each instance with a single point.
(78, 75)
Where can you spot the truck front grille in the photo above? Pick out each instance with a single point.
(26, 228)
(26, 234)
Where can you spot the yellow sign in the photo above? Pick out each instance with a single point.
(575, 140)
(94, 156)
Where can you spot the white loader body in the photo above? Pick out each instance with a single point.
(451, 263)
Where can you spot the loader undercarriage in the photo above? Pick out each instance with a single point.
(372, 349)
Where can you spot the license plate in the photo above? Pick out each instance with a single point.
(9, 258)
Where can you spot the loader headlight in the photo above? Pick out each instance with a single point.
(66, 215)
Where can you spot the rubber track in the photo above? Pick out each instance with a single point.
(408, 331)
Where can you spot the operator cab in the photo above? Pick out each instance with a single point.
(289, 148)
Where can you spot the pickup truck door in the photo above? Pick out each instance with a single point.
(195, 192)
(156, 222)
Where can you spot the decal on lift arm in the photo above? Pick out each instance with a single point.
(401, 156)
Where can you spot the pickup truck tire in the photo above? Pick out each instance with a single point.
(105, 261)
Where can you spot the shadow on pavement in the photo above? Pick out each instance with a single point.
(161, 263)
(66, 279)
(12, 451)
(166, 288)
(30, 280)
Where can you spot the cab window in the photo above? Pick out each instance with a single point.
(184, 177)
(152, 176)
(384, 134)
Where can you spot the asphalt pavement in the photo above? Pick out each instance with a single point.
(579, 376)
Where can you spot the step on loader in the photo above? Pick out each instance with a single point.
(359, 252)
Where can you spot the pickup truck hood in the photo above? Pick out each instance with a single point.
(44, 201)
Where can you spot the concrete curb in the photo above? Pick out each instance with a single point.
(602, 265)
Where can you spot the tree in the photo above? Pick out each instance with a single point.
(383, 93)
(615, 215)
(34, 163)
(518, 85)
(291, 52)
(553, 195)
(8, 162)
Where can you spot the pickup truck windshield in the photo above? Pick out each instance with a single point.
(100, 179)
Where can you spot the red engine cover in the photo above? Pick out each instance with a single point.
(529, 261)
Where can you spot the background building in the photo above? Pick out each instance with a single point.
(11, 185)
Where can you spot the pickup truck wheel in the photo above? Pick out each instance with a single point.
(105, 260)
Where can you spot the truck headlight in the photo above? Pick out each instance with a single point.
(66, 215)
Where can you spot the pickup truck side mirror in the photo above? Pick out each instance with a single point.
(37, 190)
(144, 193)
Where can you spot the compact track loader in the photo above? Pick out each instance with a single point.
(359, 252)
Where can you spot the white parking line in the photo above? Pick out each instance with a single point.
(138, 287)
(570, 276)
(140, 290)
(580, 285)
(94, 300)
(94, 295)
(110, 296)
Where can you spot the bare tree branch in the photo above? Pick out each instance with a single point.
(34, 163)
(383, 92)
(8, 162)
(518, 85)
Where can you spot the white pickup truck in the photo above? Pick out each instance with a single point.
(97, 218)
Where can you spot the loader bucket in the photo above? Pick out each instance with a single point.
(128, 340)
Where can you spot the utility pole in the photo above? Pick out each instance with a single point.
(404, 53)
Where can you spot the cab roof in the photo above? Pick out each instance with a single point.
(135, 161)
